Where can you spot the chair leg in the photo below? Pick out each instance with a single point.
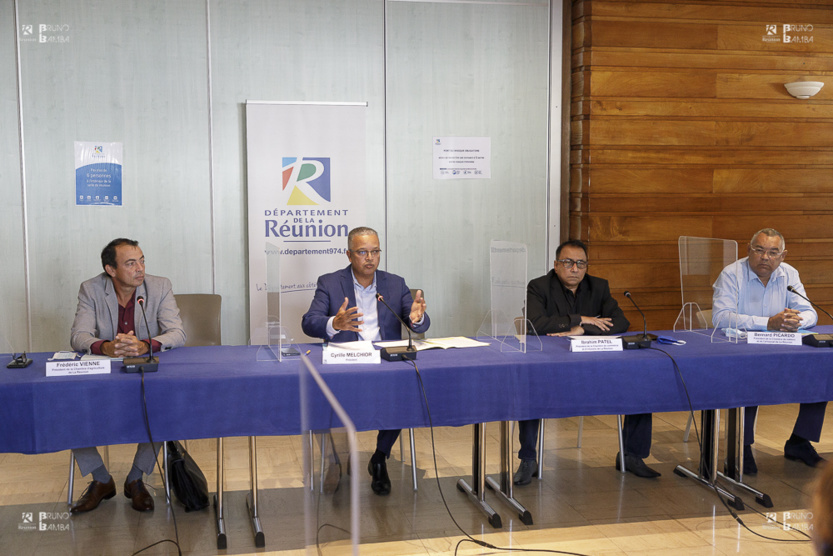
(621, 444)
(413, 457)
(541, 424)
(71, 477)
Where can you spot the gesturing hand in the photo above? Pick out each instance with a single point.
(417, 307)
(348, 319)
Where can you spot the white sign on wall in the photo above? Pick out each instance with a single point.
(462, 158)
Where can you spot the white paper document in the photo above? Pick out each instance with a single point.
(436, 343)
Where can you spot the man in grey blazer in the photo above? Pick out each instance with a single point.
(108, 321)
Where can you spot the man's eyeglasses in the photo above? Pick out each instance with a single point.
(567, 264)
(772, 253)
(363, 253)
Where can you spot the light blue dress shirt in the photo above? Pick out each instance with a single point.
(366, 302)
(739, 289)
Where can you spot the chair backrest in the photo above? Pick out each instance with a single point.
(200, 314)
(414, 335)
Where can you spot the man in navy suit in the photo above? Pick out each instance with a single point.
(345, 309)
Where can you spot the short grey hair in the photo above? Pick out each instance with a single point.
(360, 231)
(769, 232)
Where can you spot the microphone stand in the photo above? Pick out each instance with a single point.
(142, 364)
(399, 353)
(815, 339)
(638, 342)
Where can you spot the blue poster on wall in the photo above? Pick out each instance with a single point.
(98, 173)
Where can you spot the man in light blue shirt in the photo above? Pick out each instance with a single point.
(345, 309)
(752, 294)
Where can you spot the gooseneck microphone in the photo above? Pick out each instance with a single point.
(402, 352)
(149, 364)
(637, 342)
(815, 340)
(807, 299)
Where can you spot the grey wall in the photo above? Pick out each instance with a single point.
(170, 80)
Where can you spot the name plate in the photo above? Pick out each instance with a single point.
(774, 338)
(595, 343)
(340, 356)
(74, 368)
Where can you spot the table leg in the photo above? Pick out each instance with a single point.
(222, 541)
(733, 472)
(167, 477)
(505, 490)
(413, 457)
(708, 458)
(477, 493)
(251, 497)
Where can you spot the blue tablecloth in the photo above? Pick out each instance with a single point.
(208, 392)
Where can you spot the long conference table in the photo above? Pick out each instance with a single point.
(210, 392)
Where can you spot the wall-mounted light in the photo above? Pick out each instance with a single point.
(804, 89)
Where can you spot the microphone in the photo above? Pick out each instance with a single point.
(815, 340)
(142, 364)
(400, 353)
(637, 342)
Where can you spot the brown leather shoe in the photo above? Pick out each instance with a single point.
(92, 497)
(138, 494)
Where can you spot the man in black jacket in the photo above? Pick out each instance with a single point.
(569, 302)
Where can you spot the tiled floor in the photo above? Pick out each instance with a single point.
(583, 505)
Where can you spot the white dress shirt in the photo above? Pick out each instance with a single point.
(739, 289)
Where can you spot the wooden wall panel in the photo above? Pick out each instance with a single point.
(606, 57)
(652, 34)
(786, 10)
(713, 157)
(666, 84)
(681, 125)
(707, 109)
(760, 180)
